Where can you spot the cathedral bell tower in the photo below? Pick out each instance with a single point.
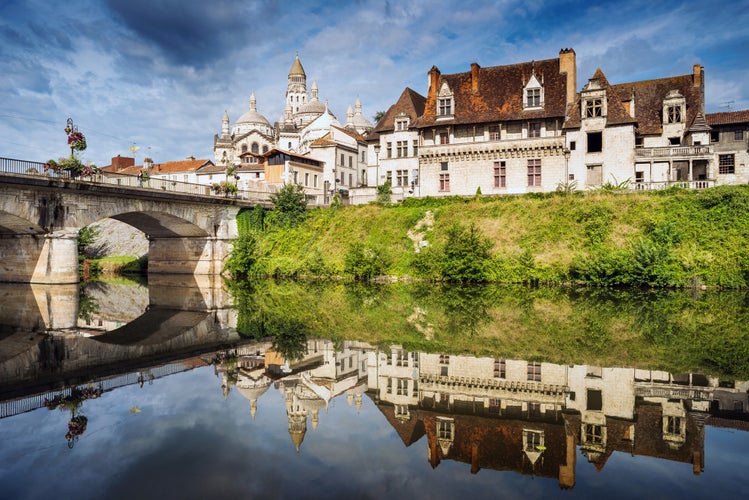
(296, 92)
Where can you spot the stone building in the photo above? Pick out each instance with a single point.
(729, 138)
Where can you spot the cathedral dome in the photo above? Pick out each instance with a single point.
(252, 120)
(296, 67)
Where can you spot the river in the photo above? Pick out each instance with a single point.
(184, 387)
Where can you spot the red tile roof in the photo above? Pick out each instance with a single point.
(189, 165)
(409, 103)
(728, 117)
(499, 95)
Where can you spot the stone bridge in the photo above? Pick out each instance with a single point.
(43, 337)
(40, 218)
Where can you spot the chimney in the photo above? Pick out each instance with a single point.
(567, 65)
(434, 78)
(147, 163)
(475, 77)
(698, 80)
(120, 162)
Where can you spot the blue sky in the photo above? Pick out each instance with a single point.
(160, 73)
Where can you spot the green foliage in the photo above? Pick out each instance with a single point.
(251, 219)
(384, 191)
(466, 255)
(290, 205)
(364, 261)
(615, 185)
(596, 222)
(243, 259)
(86, 237)
(478, 192)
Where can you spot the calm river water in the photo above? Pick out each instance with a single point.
(182, 388)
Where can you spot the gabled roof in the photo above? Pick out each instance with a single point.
(351, 133)
(189, 165)
(410, 103)
(293, 156)
(649, 96)
(728, 117)
(499, 95)
(616, 113)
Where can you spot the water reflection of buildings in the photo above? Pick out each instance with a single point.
(308, 384)
(529, 417)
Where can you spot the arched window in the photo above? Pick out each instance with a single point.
(255, 147)
(265, 149)
(289, 145)
(244, 148)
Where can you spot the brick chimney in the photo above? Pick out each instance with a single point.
(568, 66)
(698, 80)
(475, 77)
(434, 78)
(120, 162)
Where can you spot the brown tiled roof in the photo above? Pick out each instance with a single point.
(131, 170)
(351, 133)
(616, 113)
(499, 96)
(728, 117)
(649, 95)
(179, 166)
(410, 103)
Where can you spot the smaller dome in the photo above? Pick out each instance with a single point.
(252, 117)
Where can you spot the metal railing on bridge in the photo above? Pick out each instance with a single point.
(35, 168)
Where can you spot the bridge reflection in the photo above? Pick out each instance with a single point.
(54, 332)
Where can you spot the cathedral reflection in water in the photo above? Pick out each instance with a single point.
(495, 413)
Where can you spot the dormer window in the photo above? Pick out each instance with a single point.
(401, 123)
(593, 108)
(445, 102)
(533, 94)
(673, 114)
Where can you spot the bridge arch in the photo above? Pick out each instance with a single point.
(40, 220)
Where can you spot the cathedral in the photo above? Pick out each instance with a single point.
(305, 120)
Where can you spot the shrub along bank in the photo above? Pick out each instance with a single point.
(671, 238)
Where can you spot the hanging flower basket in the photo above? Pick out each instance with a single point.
(77, 141)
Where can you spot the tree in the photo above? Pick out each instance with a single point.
(466, 257)
(290, 204)
(378, 116)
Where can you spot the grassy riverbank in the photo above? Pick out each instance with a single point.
(673, 238)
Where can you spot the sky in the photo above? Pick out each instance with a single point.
(159, 74)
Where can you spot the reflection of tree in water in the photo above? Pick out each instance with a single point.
(72, 403)
(362, 294)
(466, 307)
(289, 337)
(87, 305)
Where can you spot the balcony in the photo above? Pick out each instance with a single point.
(653, 186)
(504, 145)
(674, 152)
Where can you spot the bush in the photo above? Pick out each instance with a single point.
(290, 205)
(364, 262)
(243, 259)
(466, 257)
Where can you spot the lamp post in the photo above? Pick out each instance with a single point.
(69, 128)
(566, 153)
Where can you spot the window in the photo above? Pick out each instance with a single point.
(362, 156)
(595, 142)
(738, 135)
(638, 142)
(401, 177)
(315, 181)
(444, 428)
(401, 124)
(532, 440)
(533, 98)
(444, 138)
(443, 166)
(244, 148)
(534, 129)
(573, 145)
(534, 172)
(265, 149)
(416, 148)
(444, 359)
(351, 180)
(674, 141)
(289, 146)
(343, 160)
(445, 107)
(401, 149)
(592, 434)
(500, 368)
(444, 182)
(500, 174)
(306, 179)
(714, 136)
(673, 114)
(639, 176)
(389, 177)
(389, 389)
(534, 372)
(726, 164)
(390, 149)
(402, 387)
(255, 148)
(593, 108)
(673, 425)
(595, 400)
(350, 162)
(493, 132)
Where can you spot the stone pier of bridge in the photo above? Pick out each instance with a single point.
(40, 219)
